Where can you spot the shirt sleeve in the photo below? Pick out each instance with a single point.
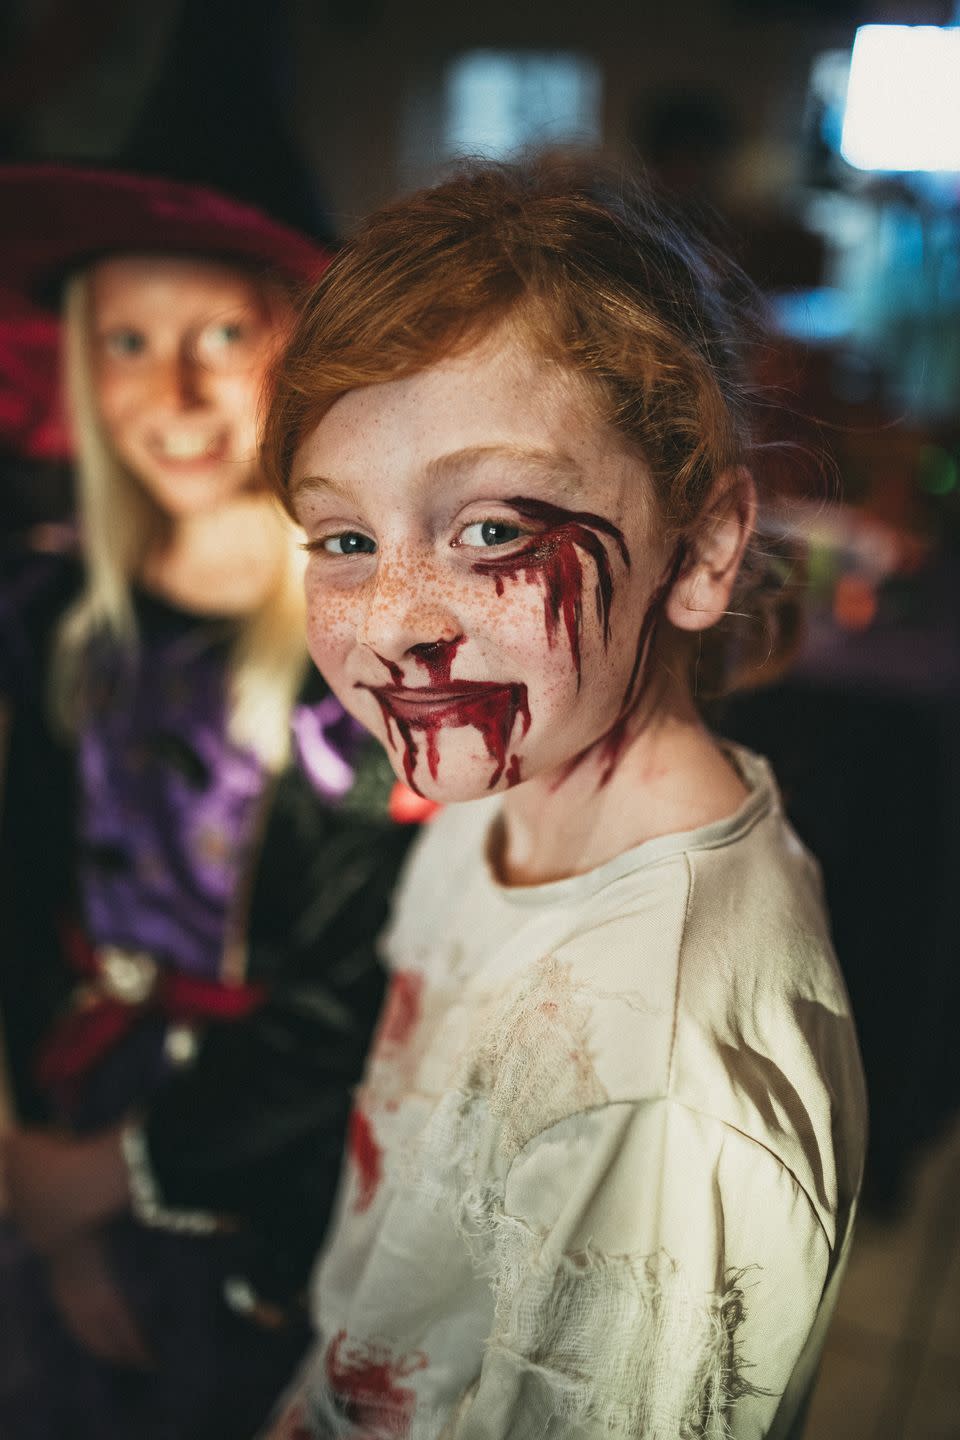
(656, 1274)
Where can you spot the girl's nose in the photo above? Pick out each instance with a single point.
(399, 625)
(179, 381)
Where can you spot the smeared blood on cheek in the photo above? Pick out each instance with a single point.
(551, 559)
(365, 1376)
(367, 1157)
(610, 746)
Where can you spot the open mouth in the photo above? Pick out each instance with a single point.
(422, 702)
(419, 712)
(185, 449)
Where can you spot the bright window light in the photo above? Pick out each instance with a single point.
(500, 101)
(903, 99)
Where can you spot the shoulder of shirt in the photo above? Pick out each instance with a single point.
(743, 1017)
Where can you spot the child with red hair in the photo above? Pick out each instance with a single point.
(605, 1161)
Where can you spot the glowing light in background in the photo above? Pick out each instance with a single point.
(500, 101)
(903, 99)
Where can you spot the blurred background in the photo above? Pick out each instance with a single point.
(821, 142)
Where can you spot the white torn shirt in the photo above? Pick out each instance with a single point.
(604, 1164)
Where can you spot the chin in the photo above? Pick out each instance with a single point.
(193, 494)
(453, 788)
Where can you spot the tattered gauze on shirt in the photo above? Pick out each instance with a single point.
(604, 1164)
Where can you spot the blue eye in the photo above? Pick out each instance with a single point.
(220, 336)
(487, 533)
(126, 343)
(351, 542)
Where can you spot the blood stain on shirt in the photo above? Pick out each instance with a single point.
(402, 1011)
(367, 1158)
(365, 1379)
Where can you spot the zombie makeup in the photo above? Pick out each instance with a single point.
(610, 746)
(485, 581)
(493, 709)
(550, 558)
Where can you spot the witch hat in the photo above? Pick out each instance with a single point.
(208, 171)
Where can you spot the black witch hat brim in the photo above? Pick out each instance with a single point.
(60, 218)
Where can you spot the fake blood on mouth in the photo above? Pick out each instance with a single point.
(491, 709)
(551, 559)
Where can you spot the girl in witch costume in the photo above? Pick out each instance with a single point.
(188, 975)
(613, 1119)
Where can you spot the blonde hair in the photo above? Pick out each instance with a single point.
(119, 522)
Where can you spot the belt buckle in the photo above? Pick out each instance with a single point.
(126, 975)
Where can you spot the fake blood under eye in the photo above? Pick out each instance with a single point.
(551, 558)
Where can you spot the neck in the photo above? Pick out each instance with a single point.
(224, 562)
(671, 776)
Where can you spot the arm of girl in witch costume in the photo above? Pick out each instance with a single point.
(254, 1126)
(58, 1185)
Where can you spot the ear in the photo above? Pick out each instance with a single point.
(702, 593)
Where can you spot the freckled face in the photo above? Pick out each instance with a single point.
(481, 560)
(180, 348)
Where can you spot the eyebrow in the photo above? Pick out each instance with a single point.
(547, 462)
(447, 467)
(318, 482)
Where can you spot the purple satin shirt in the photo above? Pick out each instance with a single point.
(170, 806)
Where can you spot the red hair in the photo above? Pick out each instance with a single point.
(598, 276)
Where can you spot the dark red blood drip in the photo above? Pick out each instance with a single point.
(551, 559)
(437, 658)
(364, 1377)
(513, 771)
(493, 712)
(610, 745)
(367, 1158)
(395, 672)
(402, 1010)
(410, 751)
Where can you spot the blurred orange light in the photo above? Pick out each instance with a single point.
(406, 807)
(854, 602)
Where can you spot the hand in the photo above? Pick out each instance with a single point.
(57, 1184)
(91, 1307)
